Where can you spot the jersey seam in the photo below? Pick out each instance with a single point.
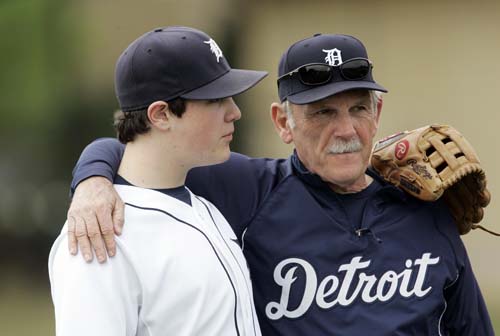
(259, 208)
(281, 172)
(138, 279)
(234, 257)
(209, 242)
(441, 317)
(446, 304)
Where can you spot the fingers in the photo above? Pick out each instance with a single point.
(72, 243)
(90, 219)
(85, 231)
(83, 239)
(468, 200)
(454, 204)
(118, 215)
(464, 193)
(476, 188)
(477, 215)
(484, 198)
(458, 209)
(107, 231)
(94, 234)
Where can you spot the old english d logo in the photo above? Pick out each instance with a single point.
(214, 48)
(333, 56)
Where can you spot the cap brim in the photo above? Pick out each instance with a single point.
(233, 82)
(324, 91)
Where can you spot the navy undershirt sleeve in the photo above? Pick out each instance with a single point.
(100, 158)
(237, 187)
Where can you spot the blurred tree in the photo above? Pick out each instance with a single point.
(45, 120)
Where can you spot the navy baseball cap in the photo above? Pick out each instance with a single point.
(328, 49)
(173, 62)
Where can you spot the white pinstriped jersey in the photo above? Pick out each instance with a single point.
(178, 271)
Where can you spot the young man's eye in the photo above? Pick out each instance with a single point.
(217, 100)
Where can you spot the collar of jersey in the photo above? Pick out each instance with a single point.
(149, 199)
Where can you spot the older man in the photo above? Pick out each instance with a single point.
(332, 248)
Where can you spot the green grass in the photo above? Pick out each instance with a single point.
(25, 307)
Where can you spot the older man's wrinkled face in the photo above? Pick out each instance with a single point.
(333, 137)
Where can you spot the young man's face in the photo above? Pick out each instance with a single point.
(334, 136)
(206, 129)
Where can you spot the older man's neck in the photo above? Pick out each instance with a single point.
(355, 187)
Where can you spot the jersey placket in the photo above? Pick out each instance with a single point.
(234, 267)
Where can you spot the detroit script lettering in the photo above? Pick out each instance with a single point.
(368, 287)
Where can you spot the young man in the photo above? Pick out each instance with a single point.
(333, 249)
(174, 87)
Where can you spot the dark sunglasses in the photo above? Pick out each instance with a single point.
(320, 73)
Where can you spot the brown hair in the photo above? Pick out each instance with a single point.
(132, 123)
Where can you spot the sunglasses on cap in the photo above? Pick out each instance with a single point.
(320, 73)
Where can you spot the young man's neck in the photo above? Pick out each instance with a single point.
(148, 164)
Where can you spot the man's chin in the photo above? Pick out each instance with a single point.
(346, 180)
(346, 166)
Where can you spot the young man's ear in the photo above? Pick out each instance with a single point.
(281, 122)
(159, 115)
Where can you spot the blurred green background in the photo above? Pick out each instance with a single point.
(439, 60)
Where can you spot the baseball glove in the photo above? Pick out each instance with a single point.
(435, 161)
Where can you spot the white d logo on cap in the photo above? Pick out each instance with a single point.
(333, 57)
(214, 48)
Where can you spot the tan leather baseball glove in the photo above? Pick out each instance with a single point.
(435, 161)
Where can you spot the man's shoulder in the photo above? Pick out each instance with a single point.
(240, 172)
(239, 162)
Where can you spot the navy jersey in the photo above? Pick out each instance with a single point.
(392, 266)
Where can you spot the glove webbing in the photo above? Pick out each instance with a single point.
(446, 157)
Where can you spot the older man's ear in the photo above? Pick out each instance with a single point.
(378, 111)
(281, 124)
